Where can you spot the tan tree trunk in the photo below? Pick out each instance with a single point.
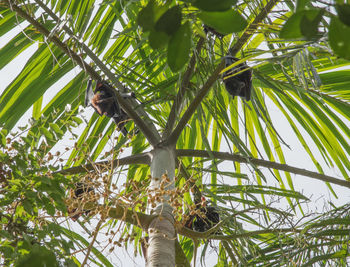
(161, 249)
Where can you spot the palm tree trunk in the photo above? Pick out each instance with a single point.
(161, 250)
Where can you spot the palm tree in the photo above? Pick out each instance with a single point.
(182, 125)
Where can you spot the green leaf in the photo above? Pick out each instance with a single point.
(302, 24)
(37, 76)
(37, 108)
(179, 47)
(46, 132)
(291, 29)
(102, 33)
(146, 17)
(158, 39)
(17, 45)
(309, 23)
(214, 5)
(339, 38)
(224, 22)
(5, 234)
(49, 208)
(300, 5)
(343, 11)
(2, 139)
(8, 19)
(56, 128)
(77, 120)
(170, 21)
(76, 238)
(27, 205)
(38, 257)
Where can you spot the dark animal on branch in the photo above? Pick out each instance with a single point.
(104, 101)
(238, 84)
(82, 190)
(204, 221)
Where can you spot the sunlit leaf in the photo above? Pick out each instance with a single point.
(224, 22)
(214, 5)
(146, 17)
(38, 256)
(158, 39)
(170, 21)
(343, 11)
(339, 38)
(302, 24)
(179, 47)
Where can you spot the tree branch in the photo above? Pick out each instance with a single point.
(149, 134)
(94, 236)
(133, 159)
(197, 195)
(184, 231)
(78, 60)
(172, 139)
(327, 96)
(143, 158)
(119, 212)
(136, 218)
(181, 93)
(254, 233)
(252, 27)
(263, 163)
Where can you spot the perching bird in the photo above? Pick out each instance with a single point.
(104, 101)
(240, 84)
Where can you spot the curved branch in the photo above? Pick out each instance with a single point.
(197, 195)
(261, 162)
(136, 218)
(250, 30)
(149, 134)
(327, 96)
(172, 139)
(143, 158)
(254, 233)
(51, 37)
(252, 27)
(184, 231)
(118, 211)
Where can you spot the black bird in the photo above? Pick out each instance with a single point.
(104, 101)
(240, 84)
